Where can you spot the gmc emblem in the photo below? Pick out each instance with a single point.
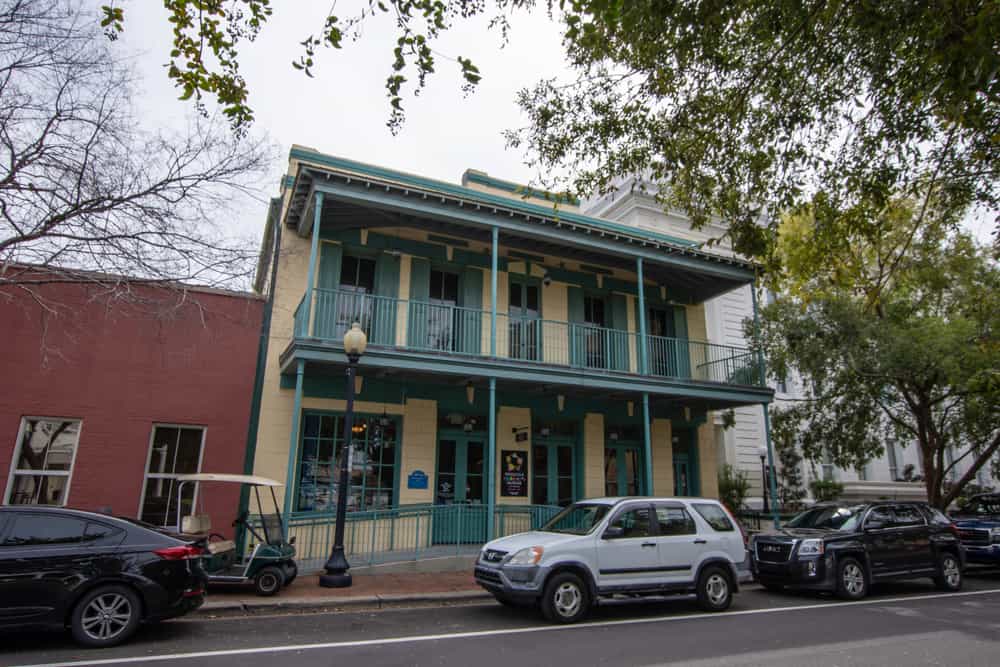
(771, 548)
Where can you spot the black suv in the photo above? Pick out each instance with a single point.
(845, 548)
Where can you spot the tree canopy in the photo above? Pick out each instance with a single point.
(921, 367)
(742, 109)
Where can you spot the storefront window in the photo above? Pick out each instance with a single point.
(372, 462)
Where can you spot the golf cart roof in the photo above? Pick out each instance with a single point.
(252, 480)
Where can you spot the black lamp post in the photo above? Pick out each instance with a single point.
(763, 476)
(337, 575)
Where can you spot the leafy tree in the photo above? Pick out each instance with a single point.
(825, 490)
(920, 364)
(733, 487)
(82, 186)
(784, 434)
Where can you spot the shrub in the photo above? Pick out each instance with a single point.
(824, 490)
(733, 487)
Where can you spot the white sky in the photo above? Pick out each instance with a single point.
(343, 110)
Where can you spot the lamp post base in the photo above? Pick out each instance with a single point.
(342, 580)
(337, 574)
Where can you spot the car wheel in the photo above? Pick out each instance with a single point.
(106, 616)
(291, 571)
(715, 589)
(269, 580)
(852, 583)
(950, 573)
(566, 599)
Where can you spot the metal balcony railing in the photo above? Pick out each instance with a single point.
(434, 326)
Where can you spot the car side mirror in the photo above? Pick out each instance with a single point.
(613, 533)
(874, 525)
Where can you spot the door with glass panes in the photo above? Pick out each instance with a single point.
(442, 313)
(623, 470)
(459, 490)
(552, 478)
(525, 325)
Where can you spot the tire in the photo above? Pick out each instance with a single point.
(950, 577)
(106, 616)
(291, 571)
(269, 580)
(566, 598)
(715, 589)
(852, 580)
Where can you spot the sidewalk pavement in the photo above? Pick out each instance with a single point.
(368, 590)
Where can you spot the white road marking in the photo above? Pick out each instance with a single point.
(493, 633)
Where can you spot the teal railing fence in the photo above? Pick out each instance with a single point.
(446, 328)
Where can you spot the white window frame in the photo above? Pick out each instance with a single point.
(68, 474)
(146, 475)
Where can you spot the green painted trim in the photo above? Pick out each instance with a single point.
(313, 253)
(293, 447)
(643, 341)
(590, 268)
(491, 460)
(286, 182)
(494, 260)
(647, 445)
(557, 231)
(483, 197)
(517, 188)
(528, 257)
(447, 240)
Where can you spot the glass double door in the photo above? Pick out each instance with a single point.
(623, 472)
(552, 478)
(525, 325)
(459, 489)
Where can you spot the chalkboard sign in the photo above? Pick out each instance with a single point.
(513, 473)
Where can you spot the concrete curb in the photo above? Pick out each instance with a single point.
(302, 604)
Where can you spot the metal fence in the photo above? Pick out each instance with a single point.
(409, 532)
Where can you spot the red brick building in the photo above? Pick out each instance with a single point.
(105, 399)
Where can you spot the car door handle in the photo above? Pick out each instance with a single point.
(649, 544)
(700, 541)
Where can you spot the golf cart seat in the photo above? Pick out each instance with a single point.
(221, 546)
(196, 524)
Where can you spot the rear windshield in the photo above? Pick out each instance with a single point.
(982, 506)
(829, 517)
(578, 519)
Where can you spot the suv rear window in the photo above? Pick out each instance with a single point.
(715, 516)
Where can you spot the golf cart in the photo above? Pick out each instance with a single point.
(270, 565)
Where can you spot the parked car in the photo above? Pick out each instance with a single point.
(98, 575)
(978, 524)
(636, 547)
(843, 548)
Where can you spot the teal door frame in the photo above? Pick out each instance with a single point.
(621, 446)
(686, 451)
(552, 444)
(461, 522)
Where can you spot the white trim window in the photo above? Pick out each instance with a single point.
(174, 450)
(43, 461)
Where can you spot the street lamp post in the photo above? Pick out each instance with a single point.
(763, 476)
(337, 575)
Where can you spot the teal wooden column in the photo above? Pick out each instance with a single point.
(293, 444)
(313, 253)
(491, 456)
(642, 347)
(773, 486)
(647, 445)
(493, 291)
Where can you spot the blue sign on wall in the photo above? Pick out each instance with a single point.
(416, 480)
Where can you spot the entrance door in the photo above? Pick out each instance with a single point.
(525, 327)
(661, 332)
(459, 486)
(552, 466)
(682, 475)
(594, 334)
(623, 470)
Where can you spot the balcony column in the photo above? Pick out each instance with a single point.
(293, 444)
(773, 490)
(643, 343)
(494, 261)
(491, 455)
(313, 254)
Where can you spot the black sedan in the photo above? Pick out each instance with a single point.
(845, 548)
(98, 575)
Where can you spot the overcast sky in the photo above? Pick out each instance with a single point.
(343, 110)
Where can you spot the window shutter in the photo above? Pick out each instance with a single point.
(469, 320)
(619, 339)
(420, 291)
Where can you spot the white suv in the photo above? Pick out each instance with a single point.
(605, 547)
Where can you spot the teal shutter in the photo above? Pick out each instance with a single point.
(325, 318)
(683, 349)
(618, 337)
(577, 339)
(468, 324)
(420, 292)
(384, 306)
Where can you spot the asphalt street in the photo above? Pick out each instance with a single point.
(907, 623)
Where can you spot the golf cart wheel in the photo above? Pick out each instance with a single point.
(291, 571)
(269, 580)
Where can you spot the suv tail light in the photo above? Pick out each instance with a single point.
(181, 552)
(743, 531)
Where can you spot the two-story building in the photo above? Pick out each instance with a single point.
(520, 356)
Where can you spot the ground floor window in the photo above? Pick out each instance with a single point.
(174, 450)
(43, 461)
(373, 462)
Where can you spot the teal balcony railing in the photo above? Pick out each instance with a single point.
(437, 327)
